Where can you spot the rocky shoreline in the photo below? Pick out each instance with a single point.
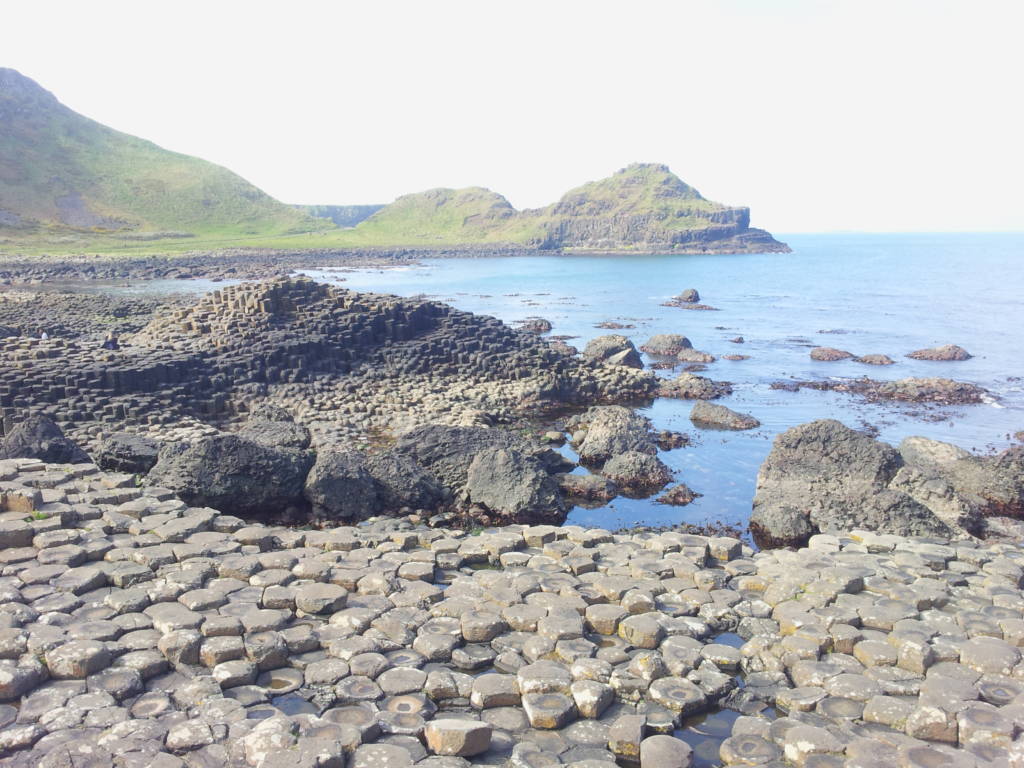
(141, 631)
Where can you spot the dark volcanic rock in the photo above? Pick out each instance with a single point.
(824, 476)
(911, 390)
(678, 496)
(829, 354)
(945, 353)
(235, 475)
(37, 437)
(339, 487)
(125, 452)
(668, 344)
(637, 472)
(402, 483)
(613, 349)
(514, 486)
(875, 360)
(587, 487)
(713, 416)
(609, 431)
(690, 387)
(276, 434)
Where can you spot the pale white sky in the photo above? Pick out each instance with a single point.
(820, 115)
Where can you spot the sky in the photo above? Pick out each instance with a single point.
(821, 115)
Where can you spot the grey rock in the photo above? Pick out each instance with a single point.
(38, 437)
(714, 416)
(514, 487)
(613, 349)
(125, 452)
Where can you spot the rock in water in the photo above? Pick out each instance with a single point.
(694, 356)
(689, 296)
(713, 416)
(945, 353)
(875, 360)
(824, 476)
(125, 452)
(687, 386)
(613, 349)
(678, 496)
(829, 354)
(609, 431)
(235, 475)
(38, 437)
(340, 488)
(514, 487)
(668, 344)
(637, 472)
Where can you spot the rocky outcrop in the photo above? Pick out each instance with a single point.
(688, 386)
(875, 359)
(238, 476)
(637, 472)
(912, 390)
(713, 416)
(667, 344)
(823, 477)
(945, 353)
(38, 437)
(829, 354)
(125, 452)
(513, 487)
(678, 496)
(694, 356)
(613, 349)
(339, 487)
(605, 431)
(536, 325)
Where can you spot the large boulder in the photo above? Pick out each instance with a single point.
(825, 477)
(714, 416)
(668, 344)
(233, 474)
(945, 353)
(829, 354)
(402, 483)
(613, 349)
(636, 472)
(38, 437)
(339, 487)
(125, 452)
(272, 425)
(604, 431)
(514, 487)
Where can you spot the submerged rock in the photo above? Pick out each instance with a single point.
(714, 416)
(875, 360)
(945, 353)
(38, 437)
(238, 476)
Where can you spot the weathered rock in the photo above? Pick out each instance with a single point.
(667, 344)
(464, 738)
(637, 472)
(689, 296)
(678, 496)
(694, 356)
(514, 486)
(401, 483)
(125, 452)
(945, 353)
(276, 434)
(688, 386)
(875, 359)
(714, 416)
(829, 354)
(613, 349)
(587, 487)
(37, 437)
(339, 487)
(611, 430)
(823, 476)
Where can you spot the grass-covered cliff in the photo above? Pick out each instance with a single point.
(71, 185)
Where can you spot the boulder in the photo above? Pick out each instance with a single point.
(829, 354)
(713, 416)
(678, 496)
(587, 487)
(402, 483)
(276, 434)
(339, 487)
(38, 437)
(945, 353)
(687, 386)
(125, 452)
(232, 474)
(610, 430)
(875, 360)
(514, 486)
(689, 296)
(825, 477)
(536, 325)
(694, 356)
(613, 349)
(668, 344)
(637, 472)
(929, 390)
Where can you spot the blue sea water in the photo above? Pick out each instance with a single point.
(887, 294)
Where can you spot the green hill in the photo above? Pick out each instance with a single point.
(61, 172)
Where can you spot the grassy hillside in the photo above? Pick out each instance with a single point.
(62, 173)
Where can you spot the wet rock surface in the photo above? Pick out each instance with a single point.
(945, 353)
(936, 391)
(140, 631)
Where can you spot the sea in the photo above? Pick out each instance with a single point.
(864, 293)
